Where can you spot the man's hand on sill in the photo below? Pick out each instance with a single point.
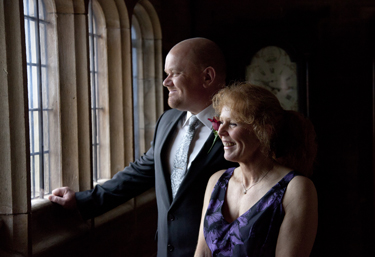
(65, 197)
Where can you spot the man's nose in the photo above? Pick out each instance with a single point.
(166, 81)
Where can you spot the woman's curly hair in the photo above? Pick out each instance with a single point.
(286, 136)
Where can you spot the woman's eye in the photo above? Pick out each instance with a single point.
(232, 124)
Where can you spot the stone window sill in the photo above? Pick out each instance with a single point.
(53, 226)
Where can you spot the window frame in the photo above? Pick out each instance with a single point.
(146, 24)
(48, 111)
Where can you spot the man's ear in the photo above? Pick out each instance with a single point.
(209, 76)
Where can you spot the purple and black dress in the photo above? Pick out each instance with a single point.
(252, 234)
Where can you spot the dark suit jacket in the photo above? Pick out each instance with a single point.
(178, 219)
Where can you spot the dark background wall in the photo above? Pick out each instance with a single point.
(333, 44)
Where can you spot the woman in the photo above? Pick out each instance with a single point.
(266, 206)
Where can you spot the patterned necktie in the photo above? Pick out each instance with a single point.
(180, 159)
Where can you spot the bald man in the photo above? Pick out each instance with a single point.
(195, 71)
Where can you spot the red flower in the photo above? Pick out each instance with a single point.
(215, 123)
(215, 128)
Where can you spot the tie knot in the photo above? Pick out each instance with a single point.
(193, 122)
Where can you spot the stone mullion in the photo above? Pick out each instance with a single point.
(14, 152)
(68, 96)
(83, 93)
(127, 93)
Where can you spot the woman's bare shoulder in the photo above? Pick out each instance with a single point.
(301, 189)
(217, 174)
(301, 183)
(215, 177)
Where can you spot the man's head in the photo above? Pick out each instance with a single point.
(195, 71)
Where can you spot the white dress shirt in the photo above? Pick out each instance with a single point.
(202, 133)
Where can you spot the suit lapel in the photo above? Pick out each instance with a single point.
(168, 131)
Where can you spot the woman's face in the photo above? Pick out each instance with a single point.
(239, 140)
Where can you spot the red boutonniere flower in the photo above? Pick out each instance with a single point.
(215, 128)
(215, 124)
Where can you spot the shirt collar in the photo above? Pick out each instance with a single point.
(203, 116)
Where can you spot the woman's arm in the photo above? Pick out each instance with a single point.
(299, 227)
(202, 248)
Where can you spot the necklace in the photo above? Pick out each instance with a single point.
(244, 188)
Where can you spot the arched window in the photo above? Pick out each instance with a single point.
(95, 108)
(147, 74)
(49, 47)
(43, 125)
(99, 92)
(137, 88)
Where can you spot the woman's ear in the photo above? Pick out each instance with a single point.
(269, 130)
(209, 76)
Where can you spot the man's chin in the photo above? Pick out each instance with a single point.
(173, 103)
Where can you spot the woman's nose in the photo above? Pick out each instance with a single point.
(222, 130)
